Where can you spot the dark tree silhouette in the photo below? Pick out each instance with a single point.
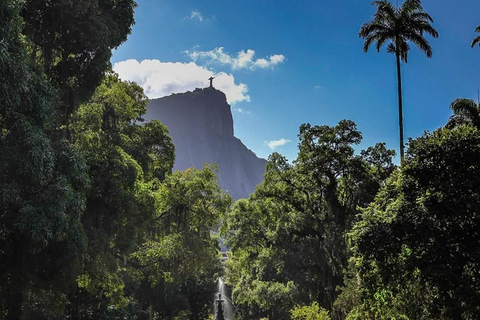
(465, 111)
(399, 26)
(476, 40)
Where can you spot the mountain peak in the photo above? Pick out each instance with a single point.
(201, 125)
(208, 91)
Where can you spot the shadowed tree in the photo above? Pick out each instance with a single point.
(287, 239)
(42, 184)
(465, 111)
(73, 41)
(399, 26)
(416, 245)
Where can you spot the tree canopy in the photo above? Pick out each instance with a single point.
(93, 224)
(287, 240)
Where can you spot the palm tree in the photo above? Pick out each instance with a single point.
(465, 112)
(399, 26)
(477, 39)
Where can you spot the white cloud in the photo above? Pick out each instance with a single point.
(243, 59)
(240, 110)
(160, 79)
(277, 58)
(277, 143)
(195, 14)
(262, 63)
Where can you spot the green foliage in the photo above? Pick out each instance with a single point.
(93, 225)
(290, 233)
(190, 205)
(414, 243)
(145, 225)
(465, 112)
(120, 203)
(183, 315)
(311, 312)
(180, 260)
(73, 41)
(42, 183)
(399, 26)
(349, 297)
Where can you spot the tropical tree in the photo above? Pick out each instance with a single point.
(413, 246)
(399, 26)
(74, 40)
(287, 240)
(465, 111)
(42, 183)
(144, 225)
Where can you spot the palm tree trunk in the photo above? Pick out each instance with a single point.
(400, 107)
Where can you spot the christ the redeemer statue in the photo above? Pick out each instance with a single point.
(211, 81)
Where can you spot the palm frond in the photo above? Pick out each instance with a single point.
(391, 48)
(385, 9)
(465, 111)
(421, 27)
(476, 40)
(410, 6)
(381, 39)
(371, 28)
(368, 42)
(430, 30)
(408, 23)
(404, 47)
(421, 43)
(462, 106)
(421, 15)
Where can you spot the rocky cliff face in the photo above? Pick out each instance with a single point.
(201, 126)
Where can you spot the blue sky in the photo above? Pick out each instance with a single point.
(284, 63)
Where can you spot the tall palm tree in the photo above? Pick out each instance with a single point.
(399, 26)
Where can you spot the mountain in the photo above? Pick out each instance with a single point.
(201, 126)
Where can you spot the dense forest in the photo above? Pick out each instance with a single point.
(95, 225)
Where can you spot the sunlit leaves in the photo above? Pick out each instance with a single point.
(311, 312)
